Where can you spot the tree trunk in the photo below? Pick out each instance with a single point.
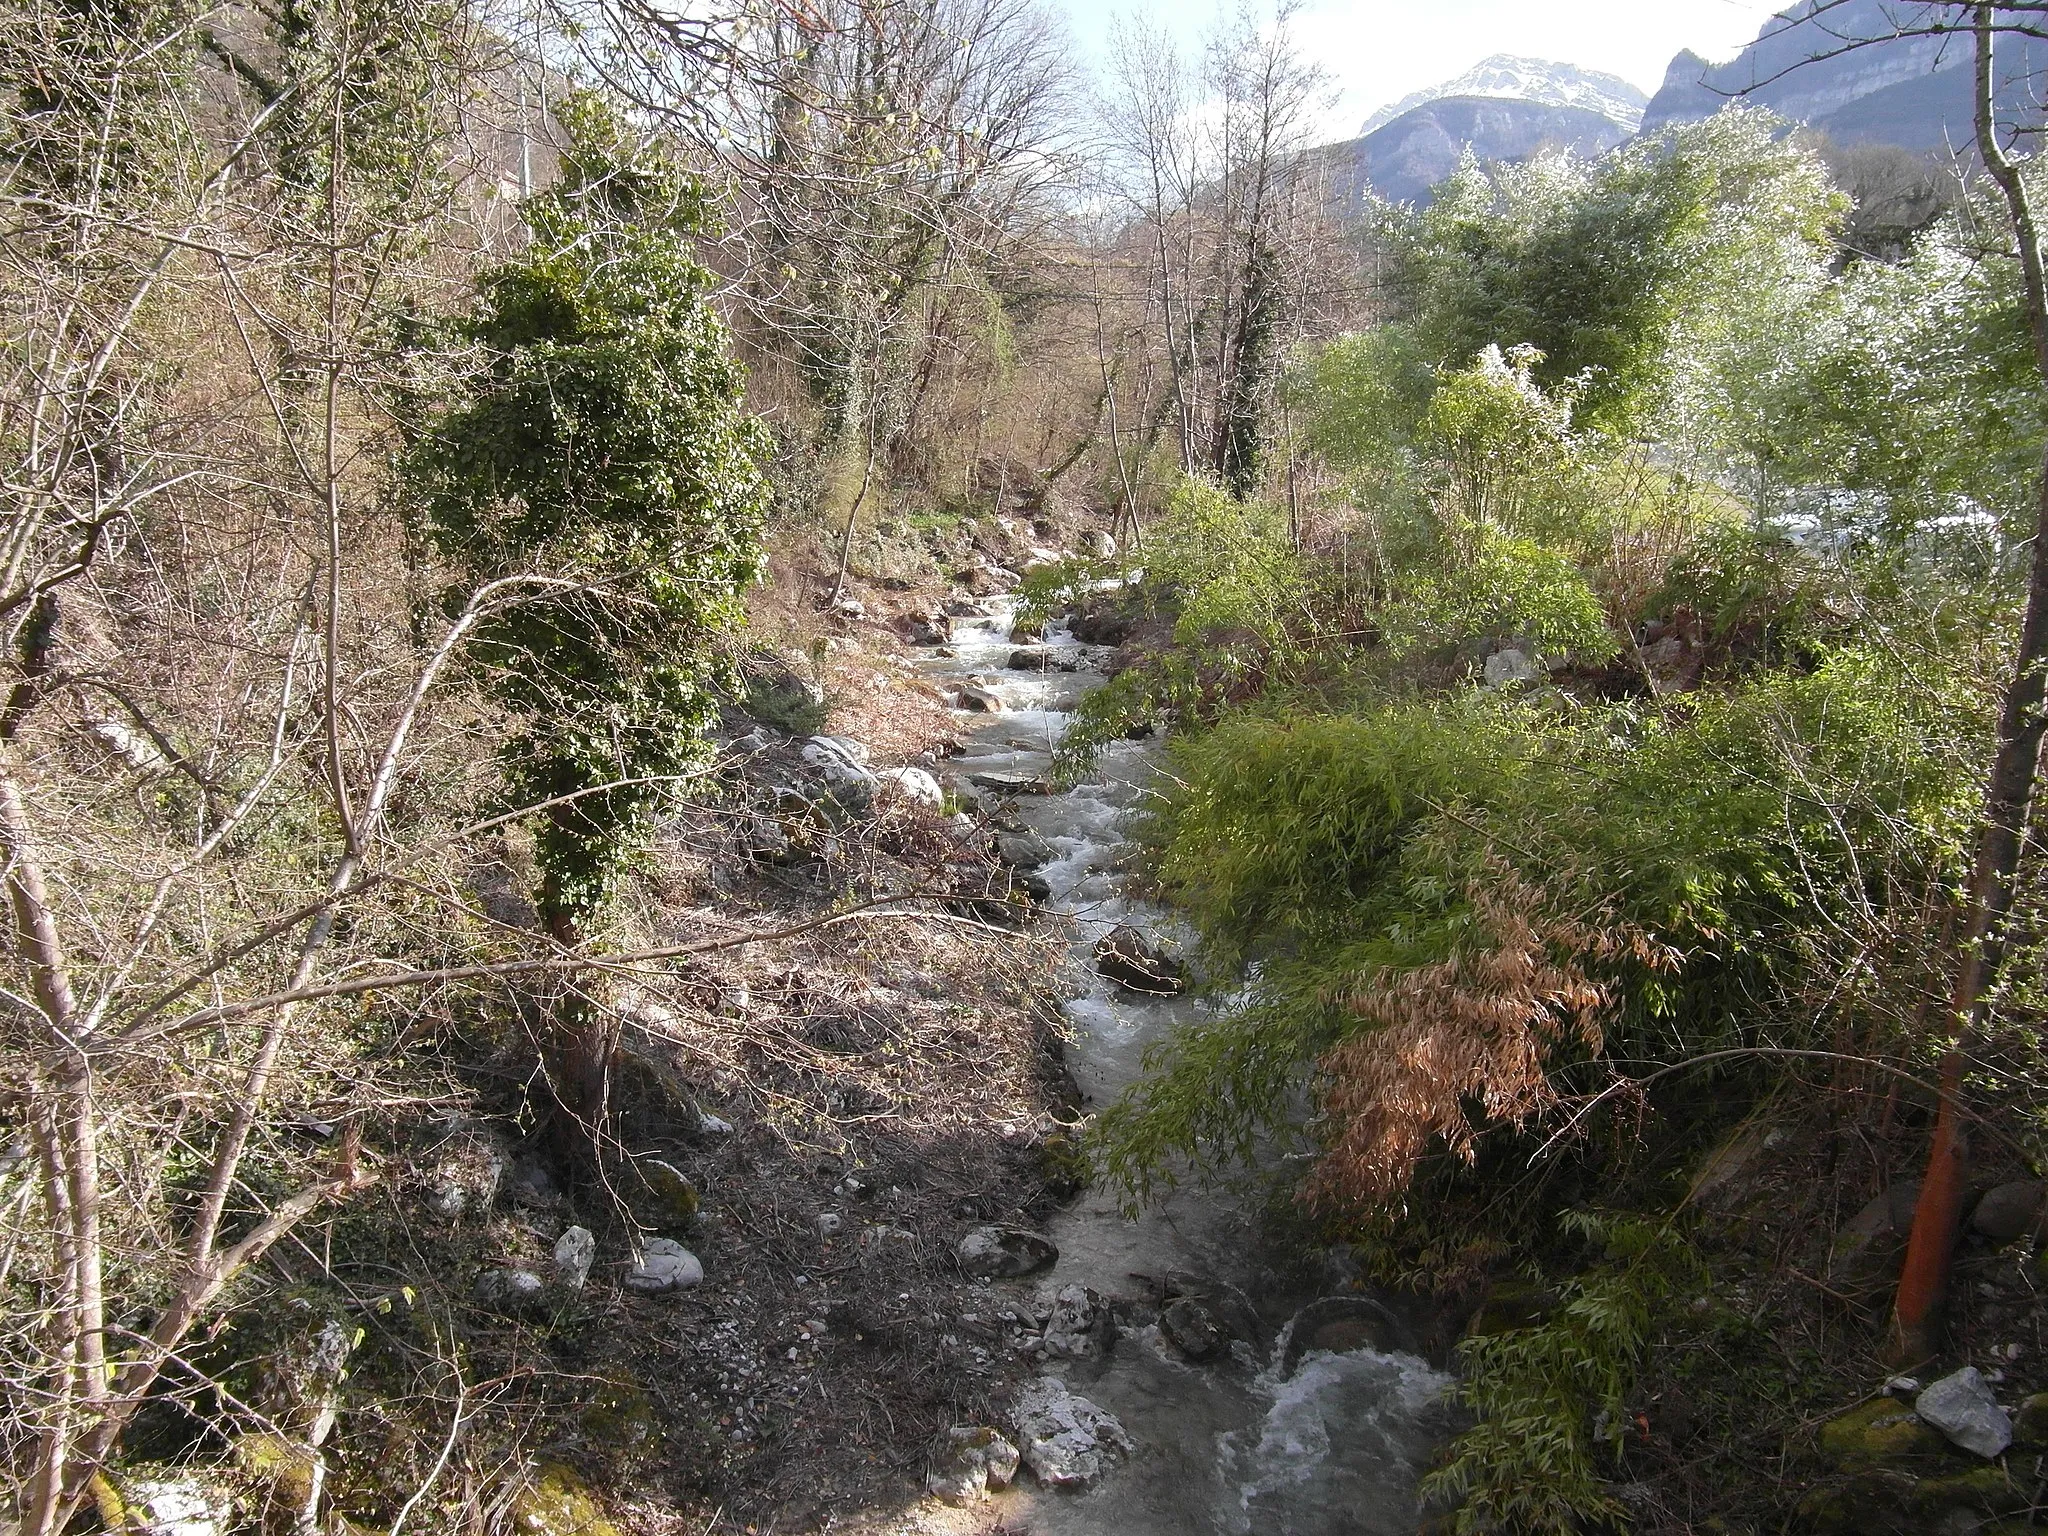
(867, 474)
(579, 1037)
(2008, 798)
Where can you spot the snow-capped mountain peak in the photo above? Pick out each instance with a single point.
(1539, 80)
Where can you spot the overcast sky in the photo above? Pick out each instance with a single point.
(1378, 51)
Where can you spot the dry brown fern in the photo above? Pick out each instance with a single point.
(1476, 1029)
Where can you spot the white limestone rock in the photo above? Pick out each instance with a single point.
(1065, 1440)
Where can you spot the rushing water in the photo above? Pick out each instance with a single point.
(1271, 1440)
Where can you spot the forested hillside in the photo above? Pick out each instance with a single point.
(682, 693)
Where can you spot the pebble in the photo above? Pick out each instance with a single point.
(1005, 1253)
(1067, 1440)
(976, 1458)
(575, 1252)
(510, 1290)
(1961, 1407)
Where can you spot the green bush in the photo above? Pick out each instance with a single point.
(1758, 834)
(1046, 592)
(1549, 1397)
(1502, 587)
(1223, 566)
(598, 462)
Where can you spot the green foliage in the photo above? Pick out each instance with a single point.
(1911, 386)
(1495, 517)
(1362, 397)
(1048, 591)
(1225, 566)
(1616, 391)
(599, 463)
(789, 710)
(1165, 687)
(1547, 1397)
(358, 103)
(1749, 830)
(1612, 270)
(1507, 587)
(1238, 591)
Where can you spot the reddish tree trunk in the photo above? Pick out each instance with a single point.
(2008, 799)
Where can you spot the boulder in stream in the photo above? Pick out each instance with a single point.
(1340, 1324)
(1011, 783)
(1126, 957)
(1045, 658)
(1031, 885)
(974, 1459)
(933, 627)
(980, 701)
(1080, 1326)
(1193, 1329)
(1066, 1441)
(1101, 625)
(1023, 850)
(1005, 1253)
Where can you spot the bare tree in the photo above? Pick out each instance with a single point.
(880, 167)
(201, 275)
(1240, 240)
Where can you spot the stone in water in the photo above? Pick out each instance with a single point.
(1067, 1440)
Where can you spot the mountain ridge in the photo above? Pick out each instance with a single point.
(1514, 77)
(1402, 159)
(1847, 73)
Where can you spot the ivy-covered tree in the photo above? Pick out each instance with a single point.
(598, 462)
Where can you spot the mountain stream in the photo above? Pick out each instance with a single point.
(1320, 1423)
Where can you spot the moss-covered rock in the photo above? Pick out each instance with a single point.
(286, 1474)
(556, 1503)
(1885, 1501)
(620, 1416)
(2030, 1424)
(1883, 1432)
(1981, 1490)
(1508, 1305)
(675, 1198)
(1877, 1502)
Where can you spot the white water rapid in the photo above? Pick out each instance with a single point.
(1280, 1437)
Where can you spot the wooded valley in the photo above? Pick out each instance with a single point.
(736, 739)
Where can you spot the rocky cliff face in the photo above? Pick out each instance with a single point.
(1844, 70)
(1404, 159)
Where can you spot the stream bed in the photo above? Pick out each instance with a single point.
(1317, 1425)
